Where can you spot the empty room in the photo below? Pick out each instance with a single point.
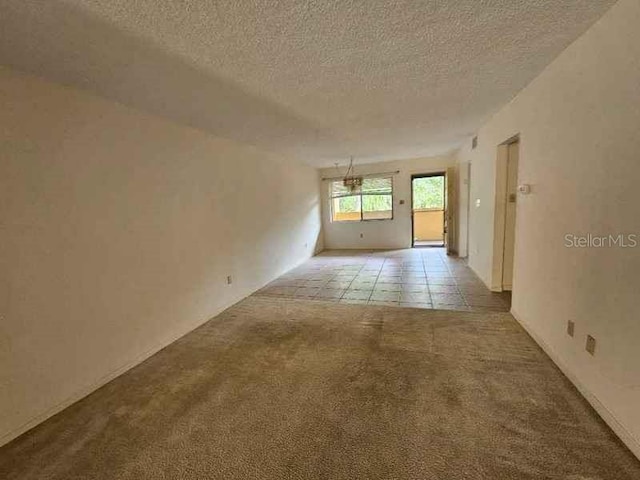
(318, 239)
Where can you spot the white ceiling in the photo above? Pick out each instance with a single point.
(318, 80)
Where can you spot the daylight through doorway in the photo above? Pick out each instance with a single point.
(428, 210)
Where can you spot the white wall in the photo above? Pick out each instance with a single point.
(580, 145)
(118, 230)
(382, 234)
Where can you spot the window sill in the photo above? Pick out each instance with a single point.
(363, 220)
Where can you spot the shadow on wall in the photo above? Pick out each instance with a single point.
(72, 47)
(319, 240)
(309, 211)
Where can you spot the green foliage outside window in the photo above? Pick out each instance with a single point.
(376, 203)
(348, 204)
(370, 203)
(428, 192)
(373, 200)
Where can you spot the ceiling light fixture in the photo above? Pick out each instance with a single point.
(350, 181)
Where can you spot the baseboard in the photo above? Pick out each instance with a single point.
(486, 284)
(377, 248)
(609, 418)
(87, 389)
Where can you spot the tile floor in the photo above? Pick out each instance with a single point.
(419, 278)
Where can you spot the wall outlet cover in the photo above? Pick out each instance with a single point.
(591, 345)
(571, 328)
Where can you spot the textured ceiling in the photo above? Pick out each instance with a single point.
(318, 80)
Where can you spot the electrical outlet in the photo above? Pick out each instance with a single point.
(571, 328)
(591, 345)
(229, 280)
(362, 235)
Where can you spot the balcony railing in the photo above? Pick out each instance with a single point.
(428, 225)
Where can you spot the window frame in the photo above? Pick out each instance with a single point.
(361, 195)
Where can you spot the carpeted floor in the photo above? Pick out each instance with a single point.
(289, 389)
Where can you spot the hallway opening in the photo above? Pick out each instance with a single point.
(505, 218)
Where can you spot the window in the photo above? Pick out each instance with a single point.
(372, 201)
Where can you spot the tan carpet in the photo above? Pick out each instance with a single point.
(289, 389)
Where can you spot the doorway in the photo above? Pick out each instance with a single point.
(428, 216)
(510, 216)
(505, 215)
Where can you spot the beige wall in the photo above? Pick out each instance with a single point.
(428, 224)
(394, 233)
(355, 216)
(580, 146)
(347, 216)
(118, 230)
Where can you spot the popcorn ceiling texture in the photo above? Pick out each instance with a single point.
(317, 80)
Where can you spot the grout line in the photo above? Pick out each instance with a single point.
(399, 265)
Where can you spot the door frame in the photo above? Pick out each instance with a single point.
(444, 216)
(500, 211)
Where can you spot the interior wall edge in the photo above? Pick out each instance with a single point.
(625, 436)
(86, 139)
(87, 390)
(388, 234)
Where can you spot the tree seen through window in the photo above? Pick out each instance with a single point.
(428, 193)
